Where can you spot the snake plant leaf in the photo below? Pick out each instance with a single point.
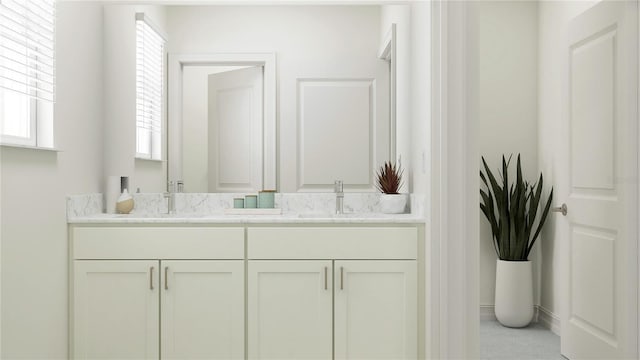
(535, 201)
(488, 210)
(505, 180)
(488, 213)
(543, 217)
(511, 210)
(483, 178)
(488, 203)
(494, 184)
(519, 172)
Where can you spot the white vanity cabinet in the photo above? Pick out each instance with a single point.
(184, 308)
(163, 291)
(307, 301)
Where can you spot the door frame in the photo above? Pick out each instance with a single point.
(634, 228)
(454, 333)
(637, 110)
(453, 291)
(176, 63)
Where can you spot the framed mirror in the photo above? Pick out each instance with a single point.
(327, 96)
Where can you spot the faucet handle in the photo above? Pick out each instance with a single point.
(338, 186)
(180, 186)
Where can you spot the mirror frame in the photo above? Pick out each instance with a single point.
(388, 53)
(177, 62)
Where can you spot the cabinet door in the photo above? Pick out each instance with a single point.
(116, 307)
(290, 314)
(202, 309)
(376, 309)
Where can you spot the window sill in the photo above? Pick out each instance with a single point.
(29, 147)
(147, 159)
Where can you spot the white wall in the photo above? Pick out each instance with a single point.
(310, 42)
(502, 82)
(34, 185)
(553, 22)
(120, 99)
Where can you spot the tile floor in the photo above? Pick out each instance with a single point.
(534, 342)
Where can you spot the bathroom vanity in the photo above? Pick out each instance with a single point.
(246, 287)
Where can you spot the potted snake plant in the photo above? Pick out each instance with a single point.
(511, 210)
(389, 181)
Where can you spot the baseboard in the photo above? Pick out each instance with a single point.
(549, 320)
(487, 312)
(540, 315)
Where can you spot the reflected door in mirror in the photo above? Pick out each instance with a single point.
(222, 142)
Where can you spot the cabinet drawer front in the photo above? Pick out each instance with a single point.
(333, 243)
(158, 243)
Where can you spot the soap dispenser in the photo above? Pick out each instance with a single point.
(124, 205)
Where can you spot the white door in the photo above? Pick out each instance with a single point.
(116, 308)
(202, 309)
(290, 310)
(376, 309)
(235, 130)
(600, 313)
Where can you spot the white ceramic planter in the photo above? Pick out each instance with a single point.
(514, 293)
(393, 203)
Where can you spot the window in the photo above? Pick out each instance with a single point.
(149, 89)
(27, 72)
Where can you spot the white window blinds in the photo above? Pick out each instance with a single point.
(27, 47)
(149, 89)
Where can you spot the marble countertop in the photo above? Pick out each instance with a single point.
(303, 218)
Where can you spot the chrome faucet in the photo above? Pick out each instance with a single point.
(338, 189)
(170, 195)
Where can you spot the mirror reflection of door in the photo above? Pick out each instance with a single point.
(222, 127)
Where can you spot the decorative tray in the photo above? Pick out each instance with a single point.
(253, 211)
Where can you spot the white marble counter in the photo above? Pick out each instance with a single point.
(296, 208)
(304, 218)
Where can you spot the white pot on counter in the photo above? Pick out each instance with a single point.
(393, 203)
(514, 293)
